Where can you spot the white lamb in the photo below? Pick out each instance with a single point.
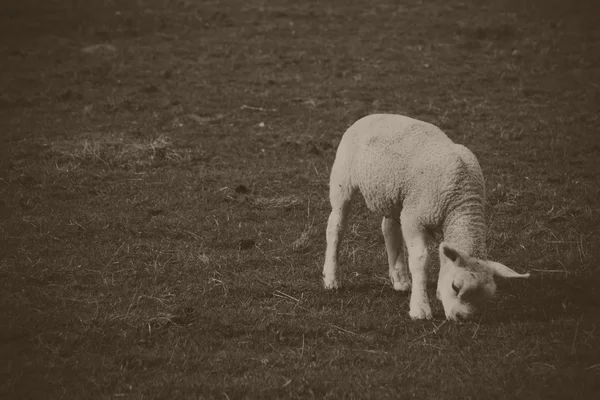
(425, 186)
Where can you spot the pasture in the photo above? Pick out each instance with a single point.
(164, 171)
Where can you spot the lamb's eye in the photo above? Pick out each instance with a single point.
(455, 288)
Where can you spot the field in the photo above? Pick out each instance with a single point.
(164, 173)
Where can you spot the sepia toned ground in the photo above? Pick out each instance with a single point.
(164, 173)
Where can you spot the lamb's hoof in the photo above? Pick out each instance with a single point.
(422, 312)
(452, 317)
(331, 283)
(401, 286)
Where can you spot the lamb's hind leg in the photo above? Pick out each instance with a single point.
(416, 238)
(394, 245)
(340, 195)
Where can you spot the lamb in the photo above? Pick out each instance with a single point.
(425, 186)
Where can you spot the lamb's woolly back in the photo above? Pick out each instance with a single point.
(397, 161)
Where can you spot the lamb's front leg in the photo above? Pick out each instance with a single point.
(443, 271)
(415, 237)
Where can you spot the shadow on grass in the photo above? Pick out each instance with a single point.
(547, 298)
(541, 298)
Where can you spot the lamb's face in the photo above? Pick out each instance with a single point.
(463, 291)
(466, 283)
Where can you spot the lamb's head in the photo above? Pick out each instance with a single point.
(467, 282)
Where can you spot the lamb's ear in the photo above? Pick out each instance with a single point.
(458, 257)
(503, 271)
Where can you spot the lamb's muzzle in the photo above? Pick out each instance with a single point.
(423, 185)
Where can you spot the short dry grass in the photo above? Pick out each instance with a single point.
(163, 180)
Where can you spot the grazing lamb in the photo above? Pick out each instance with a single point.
(425, 186)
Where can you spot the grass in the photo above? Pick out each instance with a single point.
(164, 197)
